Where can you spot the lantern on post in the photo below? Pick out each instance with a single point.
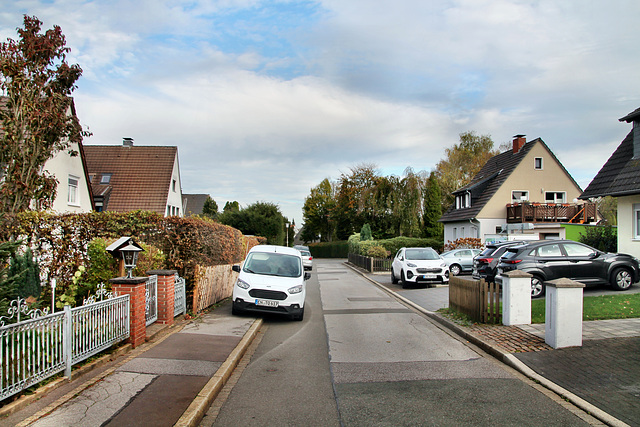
(126, 251)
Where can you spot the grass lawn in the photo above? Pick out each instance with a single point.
(619, 306)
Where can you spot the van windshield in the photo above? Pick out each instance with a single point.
(273, 264)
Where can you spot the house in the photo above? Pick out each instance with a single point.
(193, 204)
(521, 193)
(126, 178)
(73, 192)
(620, 178)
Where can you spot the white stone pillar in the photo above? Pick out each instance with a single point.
(563, 318)
(516, 298)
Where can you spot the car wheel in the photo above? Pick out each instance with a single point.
(537, 287)
(394, 280)
(621, 280)
(454, 269)
(298, 316)
(235, 310)
(404, 282)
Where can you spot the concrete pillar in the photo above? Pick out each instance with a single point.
(563, 318)
(516, 298)
(166, 295)
(135, 288)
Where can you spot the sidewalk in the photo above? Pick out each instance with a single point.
(601, 377)
(180, 372)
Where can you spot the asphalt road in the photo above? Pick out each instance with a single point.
(360, 357)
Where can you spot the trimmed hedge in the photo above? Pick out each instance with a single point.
(392, 245)
(339, 249)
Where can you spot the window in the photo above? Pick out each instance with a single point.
(73, 190)
(463, 201)
(519, 196)
(573, 249)
(455, 233)
(555, 197)
(537, 163)
(105, 179)
(549, 251)
(168, 210)
(173, 185)
(636, 220)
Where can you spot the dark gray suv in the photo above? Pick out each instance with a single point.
(554, 259)
(485, 264)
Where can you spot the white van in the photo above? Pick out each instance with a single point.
(271, 280)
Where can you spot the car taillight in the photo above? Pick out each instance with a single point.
(512, 261)
(487, 260)
(310, 258)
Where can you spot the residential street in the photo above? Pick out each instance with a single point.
(360, 357)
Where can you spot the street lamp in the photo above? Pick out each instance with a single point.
(130, 258)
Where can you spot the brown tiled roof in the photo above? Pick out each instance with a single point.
(140, 175)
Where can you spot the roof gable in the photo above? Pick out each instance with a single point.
(140, 176)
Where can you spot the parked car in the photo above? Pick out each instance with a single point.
(271, 280)
(307, 259)
(301, 247)
(418, 265)
(460, 260)
(554, 259)
(486, 262)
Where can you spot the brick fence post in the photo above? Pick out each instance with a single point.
(166, 295)
(135, 288)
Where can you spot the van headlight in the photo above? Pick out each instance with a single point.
(242, 284)
(295, 289)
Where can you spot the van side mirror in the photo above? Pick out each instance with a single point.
(307, 275)
(236, 268)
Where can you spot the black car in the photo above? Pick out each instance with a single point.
(484, 264)
(554, 259)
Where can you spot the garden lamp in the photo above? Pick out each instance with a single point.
(130, 257)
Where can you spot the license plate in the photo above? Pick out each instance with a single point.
(266, 303)
(429, 276)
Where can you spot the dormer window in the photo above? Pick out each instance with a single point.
(463, 200)
(105, 179)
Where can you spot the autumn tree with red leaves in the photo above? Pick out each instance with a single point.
(36, 113)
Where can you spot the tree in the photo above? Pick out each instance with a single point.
(365, 233)
(231, 207)
(36, 114)
(608, 208)
(317, 211)
(8, 280)
(463, 162)
(210, 208)
(432, 209)
(259, 219)
(354, 200)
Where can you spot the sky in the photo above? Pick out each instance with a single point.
(266, 98)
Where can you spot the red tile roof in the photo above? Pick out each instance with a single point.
(140, 175)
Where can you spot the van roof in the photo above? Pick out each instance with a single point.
(275, 249)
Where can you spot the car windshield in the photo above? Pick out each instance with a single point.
(421, 254)
(273, 264)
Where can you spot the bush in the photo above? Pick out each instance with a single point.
(377, 251)
(602, 238)
(338, 249)
(464, 243)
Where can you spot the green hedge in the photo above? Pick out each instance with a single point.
(339, 249)
(393, 245)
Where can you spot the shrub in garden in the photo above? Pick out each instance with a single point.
(377, 251)
(464, 243)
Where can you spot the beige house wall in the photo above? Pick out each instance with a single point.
(627, 242)
(552, 177)
(62, 165)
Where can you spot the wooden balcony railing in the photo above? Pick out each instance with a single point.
(551, 212)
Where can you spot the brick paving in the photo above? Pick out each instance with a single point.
(510, 339)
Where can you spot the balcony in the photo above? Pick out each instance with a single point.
(550, 212)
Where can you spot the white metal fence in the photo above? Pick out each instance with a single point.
(180, 296)
(151, 299)
(35, 349)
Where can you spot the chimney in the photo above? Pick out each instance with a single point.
(518, 142)
(127, 142)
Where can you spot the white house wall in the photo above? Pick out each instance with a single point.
(626, 241)
(174, 199)
(62, 165)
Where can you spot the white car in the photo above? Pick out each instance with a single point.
(418, 265)
(271, 280)
(307, 259)
(460, 260)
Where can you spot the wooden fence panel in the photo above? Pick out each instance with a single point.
(213, 284)
(477, 299)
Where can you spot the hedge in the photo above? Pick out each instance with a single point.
(392, 245)
(338, 249)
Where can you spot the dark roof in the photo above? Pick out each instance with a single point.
(140, 175)
(193, 203)
(620, 175)
(631, 116)
(492, 175)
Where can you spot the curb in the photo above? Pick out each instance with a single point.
(506, 358)
(200, 405)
